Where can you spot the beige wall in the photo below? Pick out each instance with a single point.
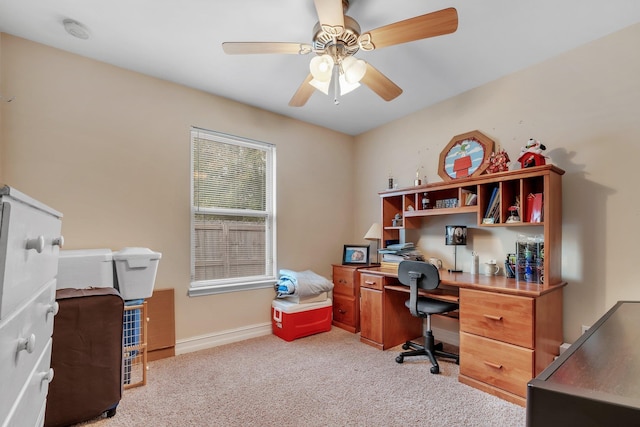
(585, 106)
(109, 148)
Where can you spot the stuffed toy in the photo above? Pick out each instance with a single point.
(532, 154)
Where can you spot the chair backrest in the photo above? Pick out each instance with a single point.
(417, 274)
(426, 274)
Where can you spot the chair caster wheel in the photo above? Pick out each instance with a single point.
(435, 370)
(405, 346)
(399, 359)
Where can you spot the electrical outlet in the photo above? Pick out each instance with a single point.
(585, 328)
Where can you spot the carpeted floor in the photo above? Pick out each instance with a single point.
(329, 379)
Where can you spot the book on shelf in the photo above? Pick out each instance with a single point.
(492, 203)
(468, 198)
(534, 207)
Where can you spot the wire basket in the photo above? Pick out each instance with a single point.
(134, 355)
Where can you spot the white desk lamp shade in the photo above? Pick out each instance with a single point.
(375, 232)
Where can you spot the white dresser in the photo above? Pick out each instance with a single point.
(30, 241)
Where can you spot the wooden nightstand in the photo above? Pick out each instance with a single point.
(346, 297)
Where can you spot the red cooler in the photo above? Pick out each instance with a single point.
(290, 321)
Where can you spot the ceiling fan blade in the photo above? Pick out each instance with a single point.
(240, 48)
(433, 24)
(331, 16)
(380, 84)
(303, 93)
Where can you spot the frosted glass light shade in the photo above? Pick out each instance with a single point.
(321, 86)
(354, 69)
(345, 86)
(321, 68)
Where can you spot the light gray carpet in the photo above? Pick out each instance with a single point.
(329, 379)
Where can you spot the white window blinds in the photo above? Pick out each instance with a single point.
(233, 229)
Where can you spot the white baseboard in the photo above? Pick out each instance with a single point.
(229, 336)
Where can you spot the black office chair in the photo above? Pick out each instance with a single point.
(423, 275)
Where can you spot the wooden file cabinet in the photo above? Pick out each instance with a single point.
(505, 340)
(346, 296)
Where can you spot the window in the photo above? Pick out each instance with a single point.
(233, 210)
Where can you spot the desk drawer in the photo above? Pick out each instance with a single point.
(344, 309)
(371, 281)
(502, 317)
(496, 363)
(343, 281)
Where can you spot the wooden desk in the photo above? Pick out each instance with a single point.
(509, 330)
(595, 382)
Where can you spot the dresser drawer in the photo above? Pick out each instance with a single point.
(371, 281)
(499, 364)
(27, 411)
(33, 321)
(344, 309)
(502, 317)
(25, 270)
(343, 281)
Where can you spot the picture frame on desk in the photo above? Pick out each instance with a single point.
(355, 255)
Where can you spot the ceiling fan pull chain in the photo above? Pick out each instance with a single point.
(336, 73)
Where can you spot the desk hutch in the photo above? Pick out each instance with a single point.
(510, 330)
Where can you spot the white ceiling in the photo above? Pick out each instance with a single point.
(180, 41)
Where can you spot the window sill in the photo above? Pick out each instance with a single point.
(196, 291)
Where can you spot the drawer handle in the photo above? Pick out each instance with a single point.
(53, 308)
(341, 311)
(58, 241)
(493, 365)
(342, 281)
(492, 317)
(28, 344)
(37, 244)
(47, 376)
(367, 282)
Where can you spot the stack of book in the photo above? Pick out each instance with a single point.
(392, 255)
(492, 214)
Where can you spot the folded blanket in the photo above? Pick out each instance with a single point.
(301, 283)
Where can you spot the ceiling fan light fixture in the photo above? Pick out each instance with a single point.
(321, 86)
(321, 68)
(353, 69)
(346, 86)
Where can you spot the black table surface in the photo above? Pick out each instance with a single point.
(597, 379)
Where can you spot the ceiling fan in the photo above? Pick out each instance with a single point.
(336, 39)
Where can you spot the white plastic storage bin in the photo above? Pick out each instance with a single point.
(82, 268)
(136, 272)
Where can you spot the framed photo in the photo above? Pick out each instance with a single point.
(466, 155)
(355, 254)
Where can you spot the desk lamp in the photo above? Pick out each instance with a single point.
(456, 235)
(375, 233)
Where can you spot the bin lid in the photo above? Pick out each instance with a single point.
(96, 254)
(136, 253)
